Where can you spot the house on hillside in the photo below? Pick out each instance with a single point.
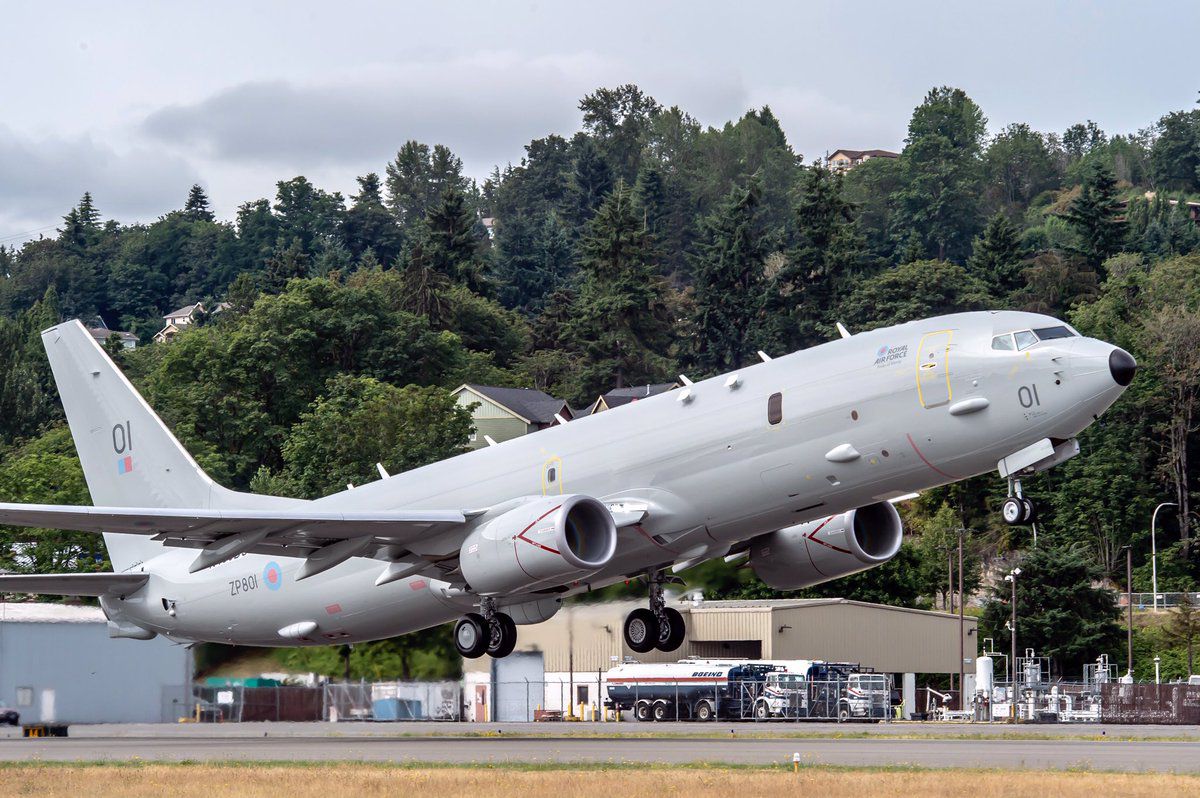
(186, 316)
(101, 333)
(506, 413)
(845, 160)
(623, 396)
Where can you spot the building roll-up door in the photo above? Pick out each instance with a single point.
(518, 685)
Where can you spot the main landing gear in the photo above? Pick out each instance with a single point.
(1016, 509)
(660, 626)
(485, 632)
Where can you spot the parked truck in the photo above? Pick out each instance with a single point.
(700, 689)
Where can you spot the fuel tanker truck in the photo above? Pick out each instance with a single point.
(706, 689)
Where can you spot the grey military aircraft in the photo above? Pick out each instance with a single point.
(793, 463)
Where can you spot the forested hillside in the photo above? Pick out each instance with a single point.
(642, 246)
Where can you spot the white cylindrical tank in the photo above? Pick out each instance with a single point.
(984, 675)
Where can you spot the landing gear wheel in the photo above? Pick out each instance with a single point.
(641, 630)
(502, 638)
(1013, 511)
(1030, 511)
(471, 636)
(671, 630)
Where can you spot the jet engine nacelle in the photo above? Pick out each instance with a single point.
(544, 542)
(808, 554)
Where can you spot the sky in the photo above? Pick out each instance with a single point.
(136, 101)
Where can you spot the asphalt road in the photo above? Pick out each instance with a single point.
(1051, 753)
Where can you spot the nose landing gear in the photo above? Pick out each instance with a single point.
(659, 626)
(1016, 509)
(485, 632)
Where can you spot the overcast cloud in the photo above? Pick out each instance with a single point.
(137, 101)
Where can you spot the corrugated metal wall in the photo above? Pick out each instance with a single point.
(92, 678)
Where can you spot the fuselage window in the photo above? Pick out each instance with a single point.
(775, 408)
(551, 474)
(1004, 342)
(1025, 339)
(1049, 333)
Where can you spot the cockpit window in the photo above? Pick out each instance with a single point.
(1048, 333)
(1004, 342)
(1025, 339)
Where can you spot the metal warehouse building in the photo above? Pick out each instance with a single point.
(58, 664)
(561, 663)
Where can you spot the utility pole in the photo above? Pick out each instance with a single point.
(1011, 576)
(962, 697)
(1129, 595)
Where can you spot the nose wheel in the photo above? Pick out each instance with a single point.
(1017, 510)
(657, 627)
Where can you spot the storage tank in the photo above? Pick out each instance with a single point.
(984, 675)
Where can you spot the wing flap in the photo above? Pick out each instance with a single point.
(101, 584)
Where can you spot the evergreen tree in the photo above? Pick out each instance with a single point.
(283, 265)
(623, 324)
(369, 225)
(942, 171)
(89, 216)
(197, 208)
(591, 179)
(996, 256)
(1094, 215)
(728, 272)
(452, 241)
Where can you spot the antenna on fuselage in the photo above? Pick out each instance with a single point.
(842, 331)
(763, 356)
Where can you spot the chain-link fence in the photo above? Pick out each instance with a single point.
(1150, 703)
(365, 701)
(1145, 601)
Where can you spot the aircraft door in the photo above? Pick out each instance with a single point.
(933, 369)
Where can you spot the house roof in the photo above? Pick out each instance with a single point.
(102, 333)
(186, 310)
(856, 155)
(623, 396)
(13, 612)
(528, 404)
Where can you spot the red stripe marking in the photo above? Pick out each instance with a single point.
(521, 535)
(812, 536)
(924, 460)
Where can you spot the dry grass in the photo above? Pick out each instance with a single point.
(298, 781)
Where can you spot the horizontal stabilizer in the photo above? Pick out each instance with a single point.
(289, 532)
(102, 584)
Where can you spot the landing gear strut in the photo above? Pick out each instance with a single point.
(485, 632)
(659, 626)
(1016, 508)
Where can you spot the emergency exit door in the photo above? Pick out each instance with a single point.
(933, 369)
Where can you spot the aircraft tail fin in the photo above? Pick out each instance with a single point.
(129, 456)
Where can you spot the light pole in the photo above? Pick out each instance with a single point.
(1011, 576)
(1154, 555)
(1129, 626)
(1156, 679)
(961, 645)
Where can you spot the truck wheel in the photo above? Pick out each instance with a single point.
(762, 711)
(705, 712)
(662, 711)
(641, 711)
(843, 715)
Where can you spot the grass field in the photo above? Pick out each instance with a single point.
(588, 781)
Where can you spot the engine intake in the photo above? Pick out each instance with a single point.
(546, 541)
(818, 551)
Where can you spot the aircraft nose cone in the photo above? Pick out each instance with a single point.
(1122, 365)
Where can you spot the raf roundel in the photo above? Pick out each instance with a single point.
(273, 576)
(883, 350)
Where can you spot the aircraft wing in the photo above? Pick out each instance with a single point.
(99, 584)
(283, 531)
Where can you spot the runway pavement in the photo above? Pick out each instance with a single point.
(232, 743)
